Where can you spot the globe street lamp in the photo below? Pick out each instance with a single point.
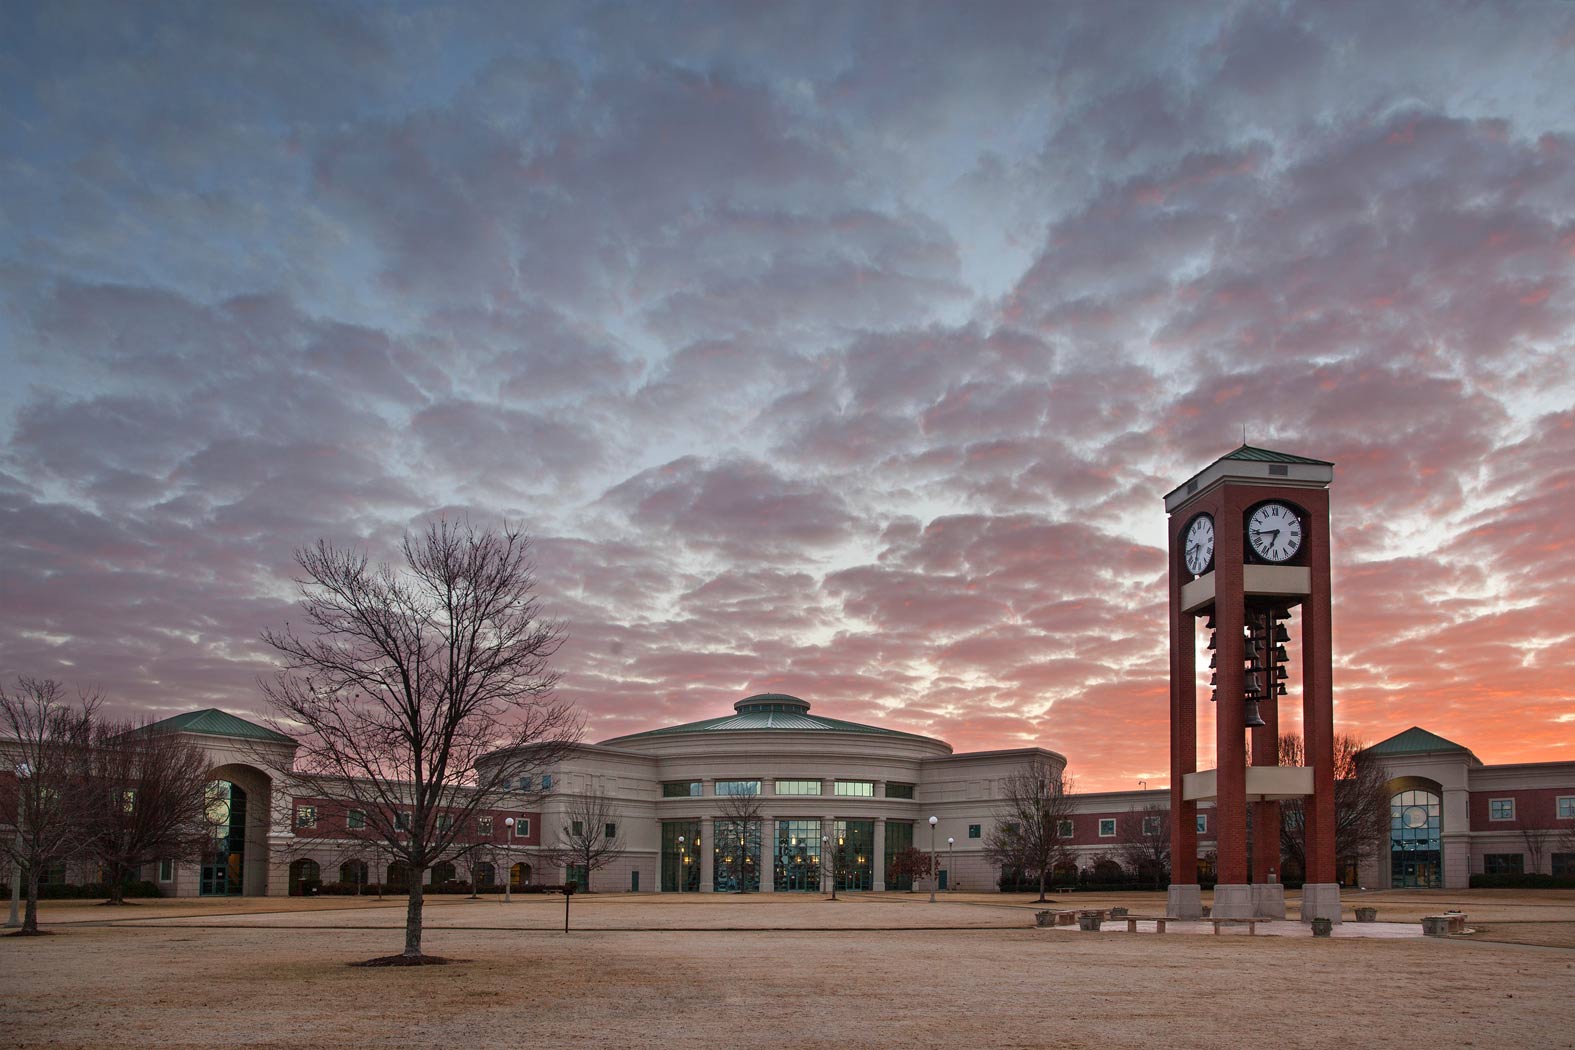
(934, 875)
(681, 860)
(508, 860)
(951, 863)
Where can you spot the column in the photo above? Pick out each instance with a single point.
(1232, 896)
(1184, 898)
(879, 884)
(768, 854)
(1321, 891)
(707, 853)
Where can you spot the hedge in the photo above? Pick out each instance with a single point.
(1523, 882)
(65, 891)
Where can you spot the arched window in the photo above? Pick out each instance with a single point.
(484, 874)
(353, 873)
(398, 877)
(305, 877)
(519, 875)
(441, 873)
(1415, 841)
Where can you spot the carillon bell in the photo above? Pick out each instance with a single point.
(1213, 659)
(1281, 635)
(1254, 719)
(1211, 640)
(1279, 654)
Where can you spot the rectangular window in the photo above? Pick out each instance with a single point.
(1504, 864)
(522, 827)
(306, 816)
(525, 783)
(577, 827)
(128, 799)
(1107, 827)
(166, 871)
(1566, 807)
(681, 789)
(974, 831)
(1564, 864)
(355, 820)
(484, 826)
(798, 787)
(611, 831)
(546, 781)
(738, 787)
(444, 821)
(1203, 823)
(402, 820)
(1151, 825)
(1063, 829)
(862, 788)
(899, 790)
(1501, 809)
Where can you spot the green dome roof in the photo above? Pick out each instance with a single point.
(768, 711)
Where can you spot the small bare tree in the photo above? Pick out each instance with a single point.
(1361, 803)
(1032, 833)
(585, 842)
(41, 796)
(146, 798)
(908, 865)
(420, 695)
(1537, 836)
(1145, 846)
(740, 813)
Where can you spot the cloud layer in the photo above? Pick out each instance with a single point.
(844, 352)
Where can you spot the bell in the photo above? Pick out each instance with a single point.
(1211, 640)
(1213, 658)
(1253, 719)
(1279, 654)
(1254, 667)
(1281, 635)
(1209, 621)
(1279, 690)
(1279, 673)
(1214, 678)
(1281, 612)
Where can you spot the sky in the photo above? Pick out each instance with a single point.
(843, 350)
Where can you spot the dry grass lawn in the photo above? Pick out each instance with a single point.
(875, 971)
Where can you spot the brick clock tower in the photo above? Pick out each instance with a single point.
(1249, 563)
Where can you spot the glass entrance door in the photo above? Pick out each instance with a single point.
(224, 865)
(797, 856)
(1415, 845)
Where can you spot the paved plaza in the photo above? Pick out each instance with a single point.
(873, 970)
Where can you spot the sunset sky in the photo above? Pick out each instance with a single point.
(843, 350)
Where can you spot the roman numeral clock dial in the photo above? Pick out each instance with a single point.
(1275, 532)
(1199, 553)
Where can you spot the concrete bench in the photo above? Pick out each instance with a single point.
(1159, 921)
(1251, 924)
(1066, 918)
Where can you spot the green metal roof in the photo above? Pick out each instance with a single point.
(768, 711)
(1414, 741)
(1264, 455)
(214, 722)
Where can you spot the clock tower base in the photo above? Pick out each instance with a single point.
(1184, 901)
(1268, 900)
(1321, 900)
(1234, 902)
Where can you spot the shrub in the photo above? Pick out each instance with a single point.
(65, 891)
(1523, 882)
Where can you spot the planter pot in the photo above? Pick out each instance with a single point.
(1118, 913)
(1088, 923)
(1366, 914)
(1322, 927)
(1044, 918)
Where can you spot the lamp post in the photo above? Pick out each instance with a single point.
(681, 862)
(508, 860)
(934, 875)
(951, 864)
(826, 854)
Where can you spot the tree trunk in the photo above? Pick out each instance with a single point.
(116, 884)
(30, 913)
(413, 915)
(1041, 884)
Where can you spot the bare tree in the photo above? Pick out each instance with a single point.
(592, 838)
(1361, 803)
(1032, 832)
(420, 695)
(41, 797)
(1145, 846)
(146, 798)
(1537, 837)
(739, 823)
(909, 864)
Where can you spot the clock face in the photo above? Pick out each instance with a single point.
(1275, 532)
(1200, 544)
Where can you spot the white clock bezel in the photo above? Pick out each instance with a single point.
(1186, 544)
(1273, 554)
